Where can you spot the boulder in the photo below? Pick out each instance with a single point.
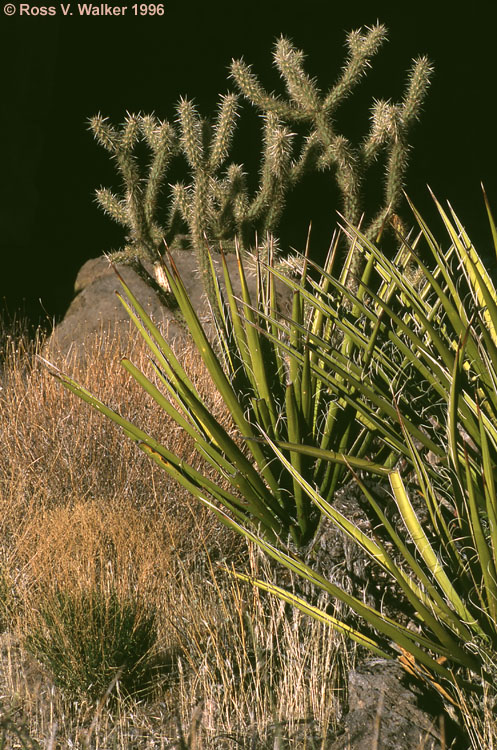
(96, 309)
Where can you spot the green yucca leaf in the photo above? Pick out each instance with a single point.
(261, 367)
(397, 633)
(335, 372)
(491, 221)
(237, 336)
(217, 373)
(185, 474)
(439, 338)
(166, 357)
(391, 629)
(485, 543)
(415, 303)
(327, 455)
(377, 552)
(488, 473)
(294, 435)
(450, 300)
(317, 614)
(479, 280)
(423, 596)
(486, 588)
(427, 552)
(215, 447)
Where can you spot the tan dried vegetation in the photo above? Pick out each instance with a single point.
(82, 511)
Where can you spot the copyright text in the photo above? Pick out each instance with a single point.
(84, 9)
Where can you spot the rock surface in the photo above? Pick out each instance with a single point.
(387, 711)
(96, 308)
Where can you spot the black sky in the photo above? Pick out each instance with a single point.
(58, 71)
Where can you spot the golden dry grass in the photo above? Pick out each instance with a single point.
(81, 509)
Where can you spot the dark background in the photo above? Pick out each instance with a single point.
(58, 71)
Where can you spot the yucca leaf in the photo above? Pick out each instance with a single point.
(486, 587)
(479, 280)
(423, 597)
(378, 553)
(488, 474)
(294, 435)
(427, 552)
(307, 394)
(397, 633)
(219, 377)
(491, 221)
(208, 447)
(296, 331)
(333, 373)
(453, 406)
(167, 359)
(239, 335)
(360, 464)
(385, 625)
(488, 553)
(152, 336)
(317, 614)
(456, 313)
(260, 367)
(185, 474)
(220, 450)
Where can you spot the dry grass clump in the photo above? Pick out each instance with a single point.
(96, 543)
(83, 581)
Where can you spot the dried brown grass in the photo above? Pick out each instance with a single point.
(82, 508)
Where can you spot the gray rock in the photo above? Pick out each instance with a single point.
(387, 711)
(96, 308)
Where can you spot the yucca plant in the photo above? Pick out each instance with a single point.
(262, 390)
(397, 380)
(431, 339)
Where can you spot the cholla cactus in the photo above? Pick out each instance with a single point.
(137, 211)
(326, 149)
(205, 205)
(213, 206)
(216, 205)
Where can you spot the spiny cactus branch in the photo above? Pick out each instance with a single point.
(224, 129)
(362, 47)
(137, 210)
